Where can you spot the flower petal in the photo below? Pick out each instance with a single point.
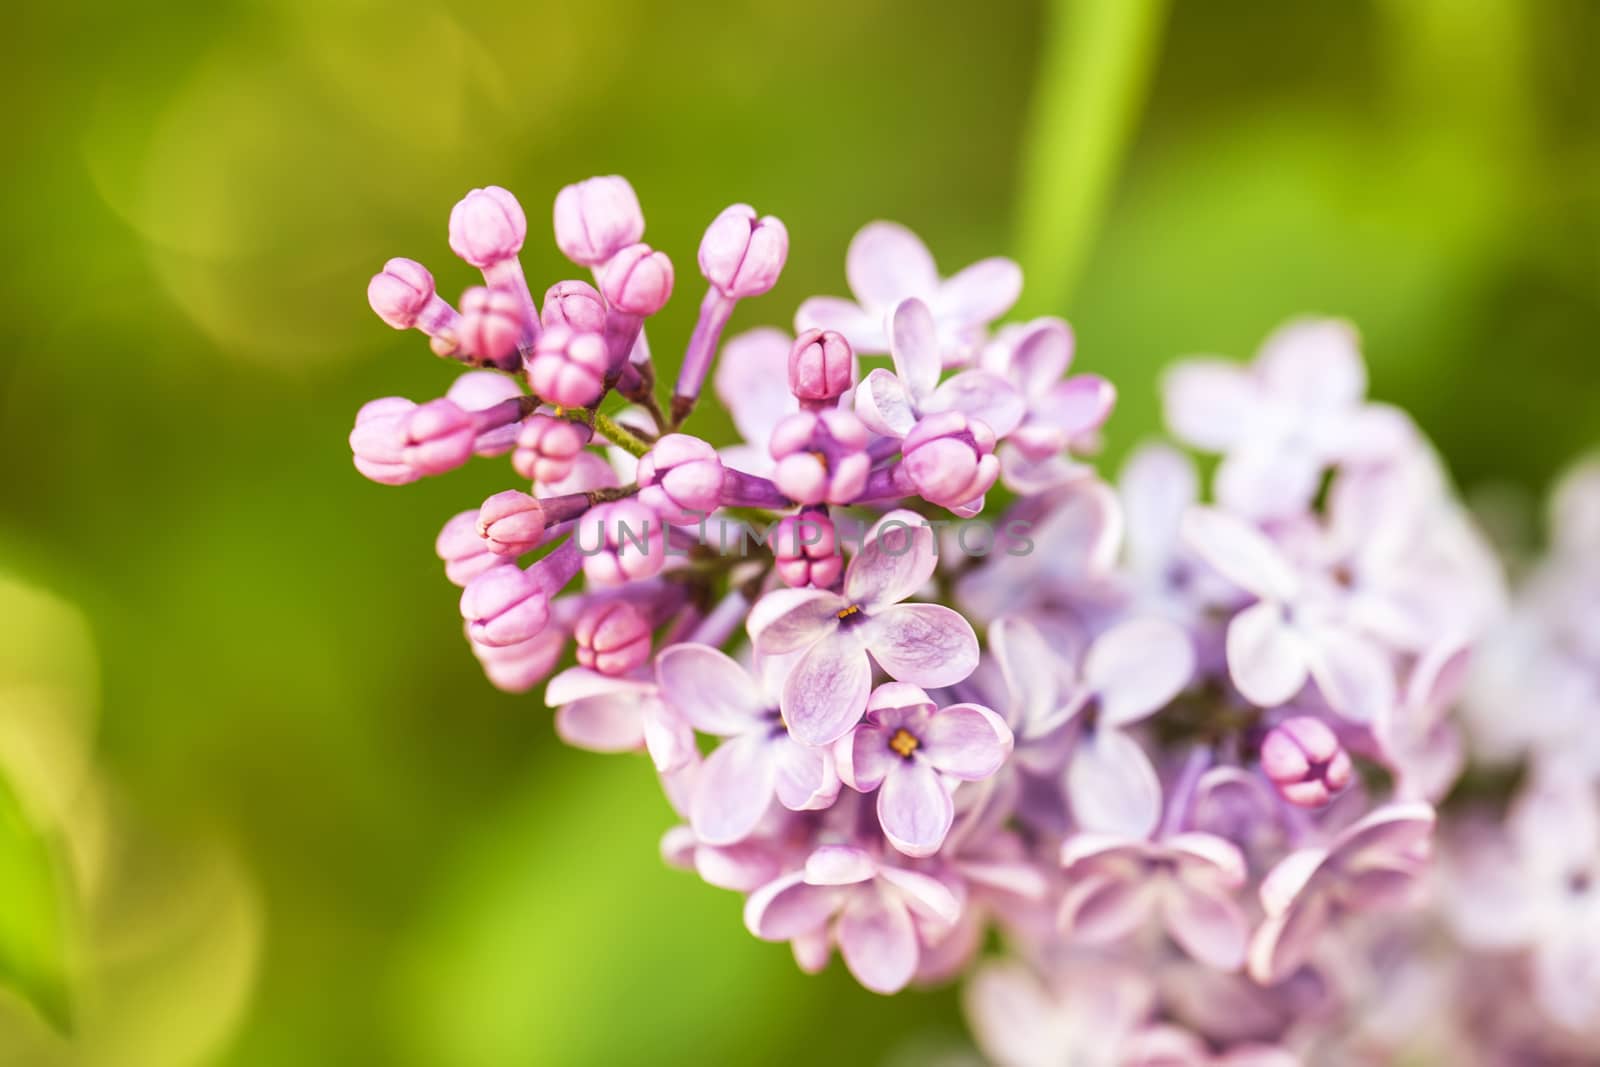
(1355, 677)
(1137, 667)
(1207, 922)
(1078, 406)
(978, 394)
(806, 778)
(839, 865)
(883, 403)
(1313, 364)
(1270, 479)
(861, 328)
(1112, 786)
(897, 557)
(925, 644)
(1035, 354)
(752, 381)
(603, 723)
(712, 692)
(914, 347)
(1028, 668)
(1239, 552)
(1158, 483)
(1283, 942)
(787, 907)
(887, 263)
(966, 741)
(1101, 908)
(981, 293)
(924, 894)
(826, 692)
(1265, 657)
(788, 620)
(878, 941)
(733, 790)
(915, 809)
(1210, 403)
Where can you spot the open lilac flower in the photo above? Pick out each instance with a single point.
(1371, 864)
(887, 264)
(914, 753)
(1059, 411)
(891, 403)
(1283, 421)
(879, 913)
(758, 761)
(1116, 885)
(604, 713)
(1170, 1046)
(1294, 631)
(1083, 1012)
(924, 644)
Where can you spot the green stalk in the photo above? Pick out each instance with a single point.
(1094, 70)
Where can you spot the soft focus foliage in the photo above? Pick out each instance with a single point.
(195, 196)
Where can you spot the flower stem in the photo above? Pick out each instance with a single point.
(1093, 72)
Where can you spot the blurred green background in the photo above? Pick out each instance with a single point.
(266, 809)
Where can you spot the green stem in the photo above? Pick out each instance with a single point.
(620, 435)
(1093, 73)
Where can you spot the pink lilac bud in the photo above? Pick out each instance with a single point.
(822, 456)
(547, 447)
(575, 305)
(378, 441)
(1304, 759)
(463, 551)
(438, 437)
(621, 541)
(613, 637)
(505, 606)
(950, 459)
(596, 219)
(403, 296)
(511, 523)
(805, 548)
(637, 280)
(681, 478)
(480, 391)
(518, 668)
(742, 255)
(821, 367)
(491, 326)
(487, 227)
(569, 369)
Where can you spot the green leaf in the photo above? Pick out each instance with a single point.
(33, 914)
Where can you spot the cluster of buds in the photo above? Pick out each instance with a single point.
(1177, 748)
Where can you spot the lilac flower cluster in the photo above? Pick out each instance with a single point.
(1179, 753)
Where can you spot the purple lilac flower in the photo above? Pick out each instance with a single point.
(913, 753)
(887, 264)
(924, 644)
(1082, 1012)
(758, 760)
(879, 913)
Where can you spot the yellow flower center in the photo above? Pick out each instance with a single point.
(903, 743)
(853, 609)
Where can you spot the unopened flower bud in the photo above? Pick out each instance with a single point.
(575, 305)
(1303, 757)
(613, 637)
(950, 458)
(518, 668)
(805, 548)
(403, 296)
(597, 218)
(569, 369)
(681, 478)
(463, 551)
(378, 441)
(621, 541)
(491, 325)
(511, 523)
(821, 367)
(487, 227)
(638, 280)
(547, 447)
(822, 456)
(742, 255)
(504, 606)
(478, 390)
(438, 437)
